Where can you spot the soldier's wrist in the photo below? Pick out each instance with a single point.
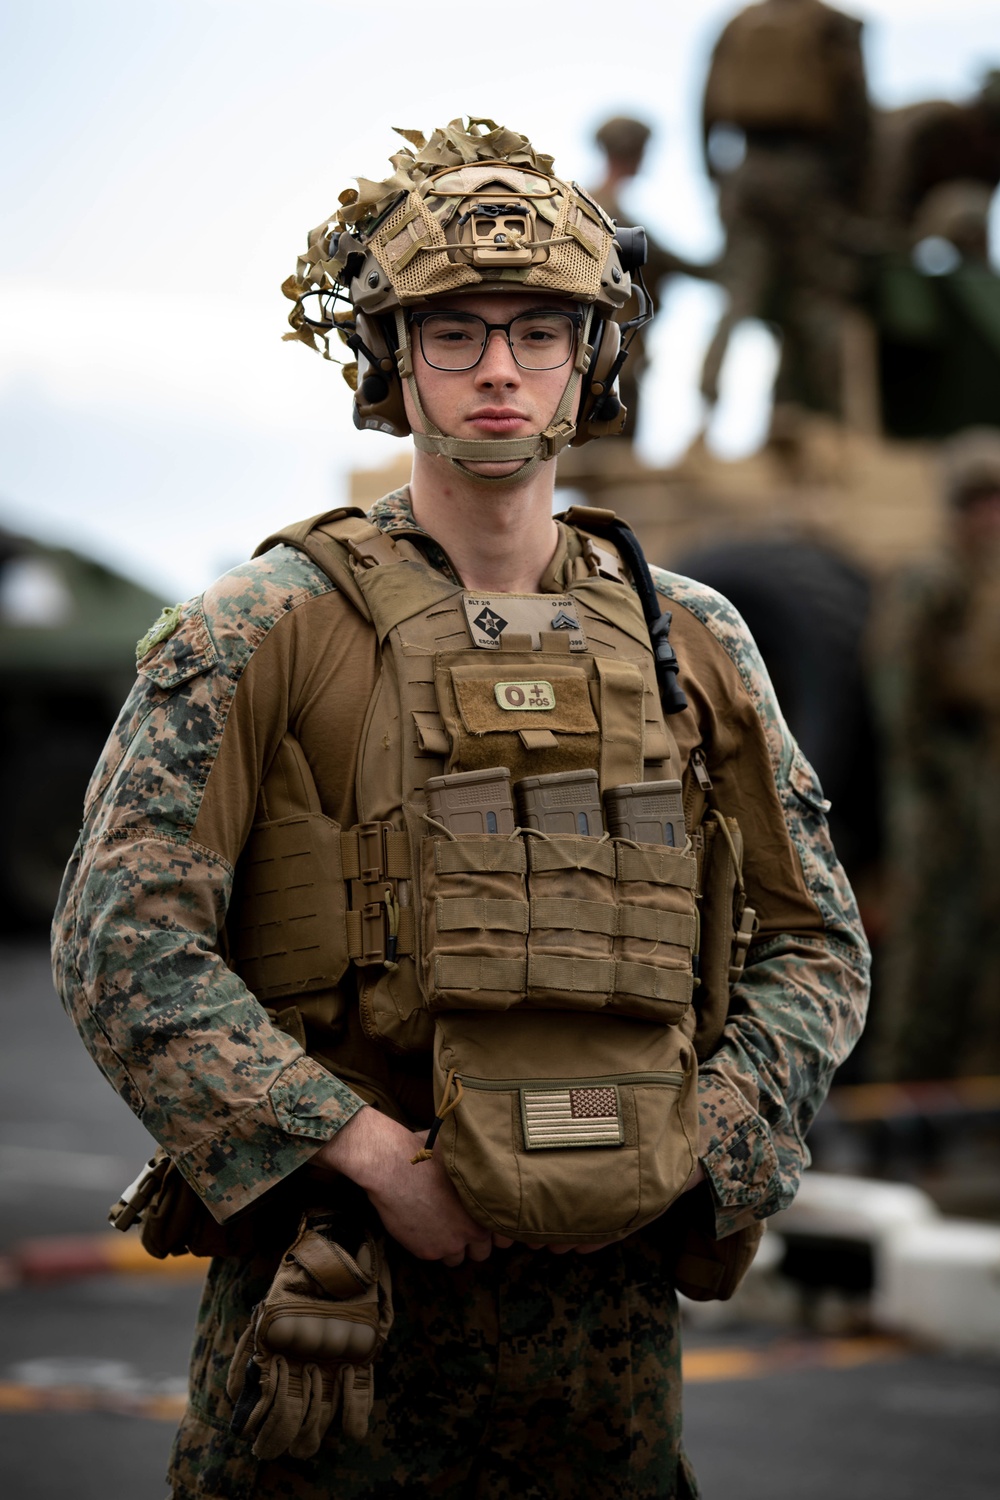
(360, 1149)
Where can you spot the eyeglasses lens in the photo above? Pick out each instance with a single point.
(538, 341)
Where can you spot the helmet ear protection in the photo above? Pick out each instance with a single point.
(378, 400)
(601, 412)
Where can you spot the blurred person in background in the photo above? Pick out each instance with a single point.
(917, 148)
(937, 677)
(935, 302)
(624, 141)
(786, 122)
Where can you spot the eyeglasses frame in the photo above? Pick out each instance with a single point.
(420, 317)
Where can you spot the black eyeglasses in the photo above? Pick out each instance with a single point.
(457, 340)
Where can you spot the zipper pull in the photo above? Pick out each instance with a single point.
(700, 769)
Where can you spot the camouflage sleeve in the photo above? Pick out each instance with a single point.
(800, 1006)
(236, 1102)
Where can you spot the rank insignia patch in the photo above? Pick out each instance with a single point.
(589, 1115)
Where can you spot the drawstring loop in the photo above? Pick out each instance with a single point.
(444, 1109)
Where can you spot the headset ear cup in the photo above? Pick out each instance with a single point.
(374, 389)
(601, 411)
(378, 401)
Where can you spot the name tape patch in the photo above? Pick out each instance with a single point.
(586, 1116)
(519, 696)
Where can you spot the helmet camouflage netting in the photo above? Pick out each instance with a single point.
(473, 209)
(424, 245)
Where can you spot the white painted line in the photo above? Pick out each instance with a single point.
(41, 1166)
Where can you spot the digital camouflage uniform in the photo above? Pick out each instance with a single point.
(530, 1374)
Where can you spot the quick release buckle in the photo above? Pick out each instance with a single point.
(742, 939)
(374, 902)
(554, 439)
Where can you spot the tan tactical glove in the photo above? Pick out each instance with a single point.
(310, 1345)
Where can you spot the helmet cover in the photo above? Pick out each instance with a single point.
(473, 209)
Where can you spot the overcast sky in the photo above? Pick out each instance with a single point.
(162, 161)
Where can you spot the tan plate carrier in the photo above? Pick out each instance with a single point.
(551, 976)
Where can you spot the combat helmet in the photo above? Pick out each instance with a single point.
(473, 209)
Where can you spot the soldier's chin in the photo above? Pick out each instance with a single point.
(507, 470)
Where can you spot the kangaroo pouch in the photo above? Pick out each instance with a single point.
(568, 1128)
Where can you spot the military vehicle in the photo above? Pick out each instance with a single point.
(68, 628)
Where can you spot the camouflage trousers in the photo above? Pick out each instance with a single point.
(531, 1376)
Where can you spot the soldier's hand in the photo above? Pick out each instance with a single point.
(418, 1205)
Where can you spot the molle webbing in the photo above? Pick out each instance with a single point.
(553, 931)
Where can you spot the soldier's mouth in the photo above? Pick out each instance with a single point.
(497, 419)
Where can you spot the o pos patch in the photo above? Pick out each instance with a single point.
(519, 696)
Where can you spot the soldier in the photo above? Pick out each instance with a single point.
(936, 312)
(939, 694)
(623, 141)
(923, 146)
(786, 122)
(300, 924)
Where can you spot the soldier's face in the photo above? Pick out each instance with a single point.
(497, 398)
(978, 524)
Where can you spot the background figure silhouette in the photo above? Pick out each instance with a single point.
(786, 128)
(917, 149)
(623, 141)
(938, 691)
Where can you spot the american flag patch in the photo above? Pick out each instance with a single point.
(584, 1116)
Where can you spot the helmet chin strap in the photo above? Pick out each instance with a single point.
(535, 450)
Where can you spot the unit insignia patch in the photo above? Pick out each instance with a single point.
(490, 624)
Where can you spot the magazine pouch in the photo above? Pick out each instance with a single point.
(474, 921)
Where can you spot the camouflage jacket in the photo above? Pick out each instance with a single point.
(273, 647)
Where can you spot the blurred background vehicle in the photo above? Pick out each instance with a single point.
(68, 628)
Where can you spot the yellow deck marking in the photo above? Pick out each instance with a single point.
(737, 1363)
(721, 1364)
(125, 1253)
(701, 1366)
(844, 1354)
(81, 1398)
